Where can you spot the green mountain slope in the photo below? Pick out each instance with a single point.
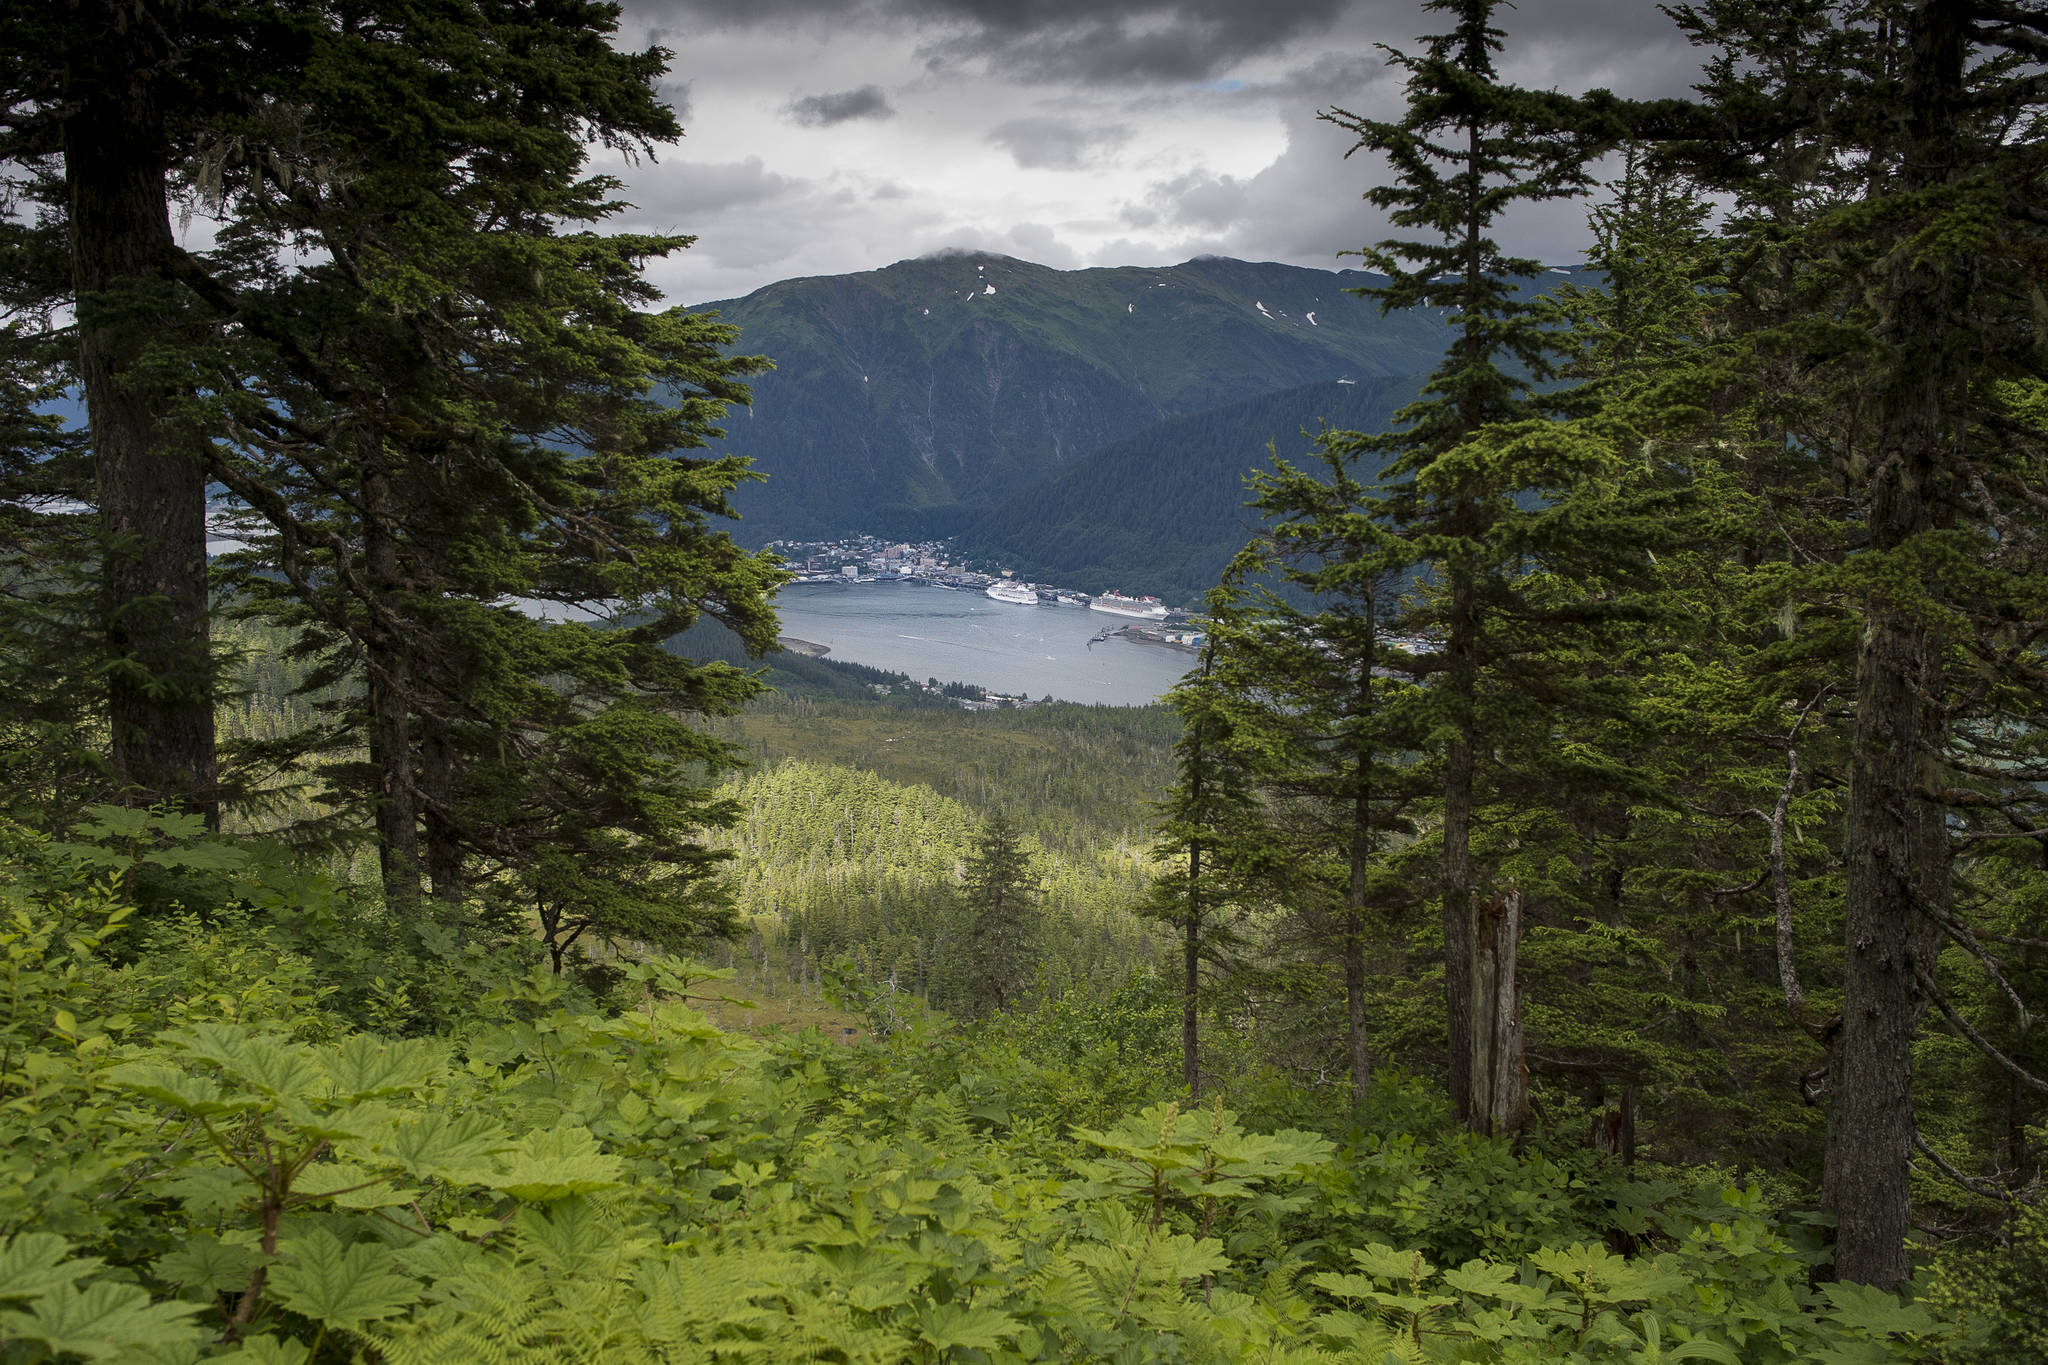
(911, 399)
(1162, 511)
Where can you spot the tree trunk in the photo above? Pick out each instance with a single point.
(1890, 831)
(1870, 1116)
(1499, 1101)
(1460, 906)
(149, 469)
(1359, 1049)
(395, 807)
(1191, 971)
(444, 848)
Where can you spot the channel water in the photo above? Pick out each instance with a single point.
(966, 636)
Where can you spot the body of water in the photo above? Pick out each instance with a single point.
(968, 637)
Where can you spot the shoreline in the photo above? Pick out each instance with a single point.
(1140, 635)
(808, 648)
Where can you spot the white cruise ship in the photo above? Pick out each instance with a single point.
(1116, 604)
(1003, 590)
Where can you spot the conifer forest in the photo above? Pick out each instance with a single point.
(1587, 901)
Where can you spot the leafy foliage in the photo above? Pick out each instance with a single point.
(549, 1183)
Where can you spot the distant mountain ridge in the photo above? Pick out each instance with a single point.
(925, 397)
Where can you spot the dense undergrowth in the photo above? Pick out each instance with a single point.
(258, 1122)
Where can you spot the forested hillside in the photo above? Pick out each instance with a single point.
(1163, 511)
(913, 399)
(1588, 901)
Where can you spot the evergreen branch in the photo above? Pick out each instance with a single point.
(1966, 939)
(1985, 1188)
(1983, 1044)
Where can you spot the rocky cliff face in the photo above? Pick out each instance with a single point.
(914, 398)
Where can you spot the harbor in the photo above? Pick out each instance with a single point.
(964, 636)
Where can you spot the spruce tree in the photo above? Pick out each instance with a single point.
(104, 105)
(464, 401)
(1305, 608)
(999, 895)
(1493, 504)
(1219, 857)
(1899, 246)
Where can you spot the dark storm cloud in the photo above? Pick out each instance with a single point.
(1048, 40)
(1136, 41)
(1056, 143)
(822, 111)
(1145, 42)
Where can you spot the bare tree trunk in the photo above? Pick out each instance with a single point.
(1499, 1102)
(150, 472)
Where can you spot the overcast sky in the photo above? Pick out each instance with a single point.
(826, 136)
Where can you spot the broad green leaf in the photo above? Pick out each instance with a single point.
(574, 1238)
(99, 1321)
(1383, 1262)
(1874, 1311)
(946, 1325)
(266, 1351)
(205, 1261)
(89, 855)
(1355, 1287)
(34, 1263)
(342, 1286)
(1190, 1259)
(278, 1068)
(556, 1164)
(198, 1095)
(1486, 1278)
(457, 1148)
(200, 857)
(350, 1186)
(366, 1066)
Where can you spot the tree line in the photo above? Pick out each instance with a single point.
(1687, 626)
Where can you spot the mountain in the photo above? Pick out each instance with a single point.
(922, 397)
(1163, 511)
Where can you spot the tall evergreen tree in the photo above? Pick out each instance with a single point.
(1485, 493)
(1914, 207)
(1306, 606)
(1219, 856)
(103, 105)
